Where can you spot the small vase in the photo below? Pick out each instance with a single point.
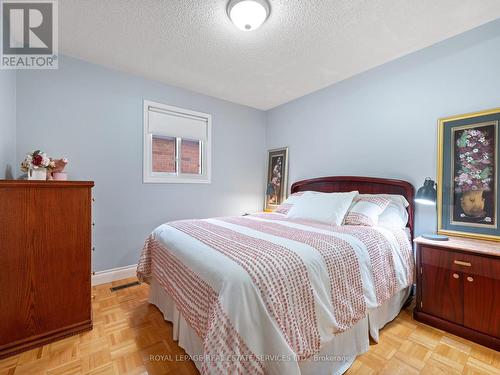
(60, 176)
(38, 174)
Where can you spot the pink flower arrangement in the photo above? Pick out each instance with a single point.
(37, 159)
(475, 153)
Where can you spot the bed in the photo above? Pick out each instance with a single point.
(266, 294)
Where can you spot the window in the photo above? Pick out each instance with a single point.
(177, 145)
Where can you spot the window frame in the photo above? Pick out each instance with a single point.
(176, 178)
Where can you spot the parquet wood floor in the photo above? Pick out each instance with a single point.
(127, 330)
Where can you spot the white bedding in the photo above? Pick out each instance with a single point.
(259, 286)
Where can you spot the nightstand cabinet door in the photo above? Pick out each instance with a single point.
(442, 293)
(482, 304)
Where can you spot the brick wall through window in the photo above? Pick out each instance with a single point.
(163, 157)
(190, 156)
(163, 154)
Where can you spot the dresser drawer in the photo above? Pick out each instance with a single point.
(466, 263)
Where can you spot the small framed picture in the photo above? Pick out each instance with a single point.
(468, 171)
(277, 178)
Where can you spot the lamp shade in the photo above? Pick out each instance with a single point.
(427, 193)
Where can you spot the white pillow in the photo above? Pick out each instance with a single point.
(393, 197)
(329, 208)
(366, 210)
(284, 207)
(395, 215)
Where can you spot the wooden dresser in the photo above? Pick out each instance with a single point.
(45, 255)
(458, 288)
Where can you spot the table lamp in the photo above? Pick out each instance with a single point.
(427, 195)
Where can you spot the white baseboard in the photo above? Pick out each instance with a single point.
(107, 276)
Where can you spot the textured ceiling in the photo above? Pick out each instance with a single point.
(305, 45)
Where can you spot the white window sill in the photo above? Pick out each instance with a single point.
(175, 180)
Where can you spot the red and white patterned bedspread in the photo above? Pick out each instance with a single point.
(263, 292)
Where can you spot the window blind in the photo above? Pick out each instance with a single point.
(174, 124)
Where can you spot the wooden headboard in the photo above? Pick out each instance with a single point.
(365, 185)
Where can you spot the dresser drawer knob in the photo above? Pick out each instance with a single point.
(456, 276)
(462, 263)
(470, 279)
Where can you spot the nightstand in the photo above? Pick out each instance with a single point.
(458, 288)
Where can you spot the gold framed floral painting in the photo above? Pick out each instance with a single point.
(468, 171)
(277, 178)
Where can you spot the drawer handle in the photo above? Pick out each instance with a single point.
(462, 263)
(470, 279)
(456, 276)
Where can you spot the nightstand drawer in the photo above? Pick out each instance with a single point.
(456, 261)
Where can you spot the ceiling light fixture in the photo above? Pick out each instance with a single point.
(248, 15)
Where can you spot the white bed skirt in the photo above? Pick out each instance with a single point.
(335, 357)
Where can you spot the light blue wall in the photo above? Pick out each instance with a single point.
(383, 122)
(93, 116)
(379, 123)
(7, 123)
